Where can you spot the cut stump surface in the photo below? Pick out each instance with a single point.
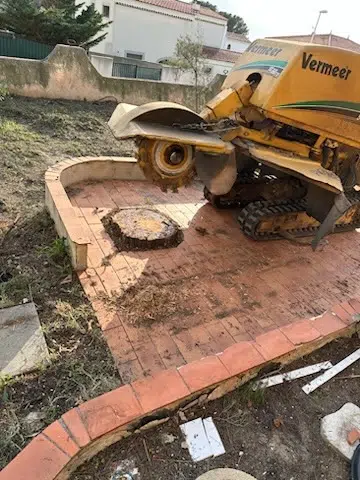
(142, 229)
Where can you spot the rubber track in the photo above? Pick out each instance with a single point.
(251, 216)
(247, 179)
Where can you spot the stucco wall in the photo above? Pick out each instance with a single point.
(210, 31)
(152, 30)
(156, 34)
(236, 45)
(103, 64)
(174, 75)
(67, 73)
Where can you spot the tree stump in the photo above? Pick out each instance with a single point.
(142, 229)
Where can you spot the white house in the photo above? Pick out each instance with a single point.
(149, 29)
(235, 42)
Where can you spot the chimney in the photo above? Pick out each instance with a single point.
(196, 7)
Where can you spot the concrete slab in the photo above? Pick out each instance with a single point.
(22, 342)
(226, 474)
(336, 427)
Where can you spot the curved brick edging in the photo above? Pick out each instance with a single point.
(69, 172)
(86, 430)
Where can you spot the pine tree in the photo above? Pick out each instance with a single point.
(55, 21)
(236, 24)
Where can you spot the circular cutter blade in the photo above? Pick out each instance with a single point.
(168, 165)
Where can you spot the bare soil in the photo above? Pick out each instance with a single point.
(275, 435)
(34, 264)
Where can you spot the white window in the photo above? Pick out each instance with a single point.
(106, 11)
(135, 56)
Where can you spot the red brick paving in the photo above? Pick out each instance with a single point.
(74, 425)
(104, 420)
(41, 460)
(109, 411)
(58, 435)
(239, 289)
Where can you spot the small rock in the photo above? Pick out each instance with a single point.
(335, 427)
(199, 401)
(203, 399)
(192, 404)
(34, 421)
(184, 445)
(153, 424)
(168, 438)
(182, 416)
(278, 422)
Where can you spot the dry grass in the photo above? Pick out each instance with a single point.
(146, 304)
(34, 264)
(153, 303)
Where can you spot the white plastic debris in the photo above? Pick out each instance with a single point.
(126, 470)
(202, 439)
(288, 377)
(213, 436)
(335, 370)
(226, 474)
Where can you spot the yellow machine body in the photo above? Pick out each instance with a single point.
(310, 86)
(285, 127)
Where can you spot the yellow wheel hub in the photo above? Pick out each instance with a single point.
(167, 164)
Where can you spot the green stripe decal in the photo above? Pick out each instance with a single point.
(270, 63)
(281, 64)
(324, 104)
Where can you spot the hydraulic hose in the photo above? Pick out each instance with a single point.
(355, 465)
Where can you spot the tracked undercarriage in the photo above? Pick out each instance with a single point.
(274, 208)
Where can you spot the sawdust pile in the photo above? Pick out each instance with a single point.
(148, 304)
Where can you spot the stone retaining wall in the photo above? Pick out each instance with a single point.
(67, 73)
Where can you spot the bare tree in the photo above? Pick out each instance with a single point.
(189, 58)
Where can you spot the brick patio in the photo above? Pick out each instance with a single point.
(236, 289)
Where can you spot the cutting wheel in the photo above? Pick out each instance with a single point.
(168, 165)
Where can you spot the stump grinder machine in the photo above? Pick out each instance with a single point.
(280, 142)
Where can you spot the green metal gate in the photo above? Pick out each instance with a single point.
(22, 48)
(134, 71)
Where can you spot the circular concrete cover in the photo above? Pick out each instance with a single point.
(226, 474)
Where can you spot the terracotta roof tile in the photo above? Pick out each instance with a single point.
(183, 7)
(221, 55)
(171, 5)
(207, 12)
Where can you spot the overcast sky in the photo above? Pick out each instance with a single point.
(267, 18)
